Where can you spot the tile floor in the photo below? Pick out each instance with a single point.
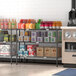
(30, 69)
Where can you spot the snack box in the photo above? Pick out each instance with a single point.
(39, 39)
(47, 51)
(5, 50)
(31, 53)
(45, 34)
(20, 38)
(19, 53)
(13, 37)
(26, 53)
(22, 47)
(49, 33)
(29, 47)
(38, 34)
(27, 38)
(21, 25)
(6, 37)
(53, 39)
(21, 33)
(46, 39)
(33, 34)
(40, 51)
(53, 33)
(53, 52)
(33, 39)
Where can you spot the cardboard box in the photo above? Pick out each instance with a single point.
(47, 51)
(53, 52)
(5, 50)
(39, 51)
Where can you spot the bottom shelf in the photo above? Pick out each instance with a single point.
(30, 57)
(42, 58)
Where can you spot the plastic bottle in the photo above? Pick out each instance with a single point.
(2, 23)
(5, 24)
(38, 24)
(9, 24)
(13, 24)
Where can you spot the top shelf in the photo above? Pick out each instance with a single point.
(31, 29)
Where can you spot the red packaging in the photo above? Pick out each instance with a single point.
(50, 25)
(5, 25)
(46, 26)
(31, 53)
(29, 47)
(34, 48)
(21, 25)
(23, 21)
(2, 26)
(42, 26)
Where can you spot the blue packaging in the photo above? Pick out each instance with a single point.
(19, 53)
(22, 47)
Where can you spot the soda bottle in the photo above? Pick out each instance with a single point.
(2, 23)
(13, 24)
(38, 24)
(9, 24)
(5, 24)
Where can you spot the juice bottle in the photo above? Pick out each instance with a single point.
(5, 24)
(38, 24)
(54, 25)
(2, 23)
(13, 24)
(9, 24)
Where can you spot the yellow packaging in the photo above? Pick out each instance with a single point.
(30, 26)
(27, 25)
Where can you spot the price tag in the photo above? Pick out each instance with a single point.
(37, 42)
(47, 29)
(27, 29)
(45, 57)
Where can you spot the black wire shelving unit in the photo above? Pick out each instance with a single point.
(30, 43)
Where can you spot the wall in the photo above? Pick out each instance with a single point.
(44, 9)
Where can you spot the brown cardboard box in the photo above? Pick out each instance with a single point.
(47, 51)
(53, 52)
(39, 51)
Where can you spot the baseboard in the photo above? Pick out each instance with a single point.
(69, 65)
